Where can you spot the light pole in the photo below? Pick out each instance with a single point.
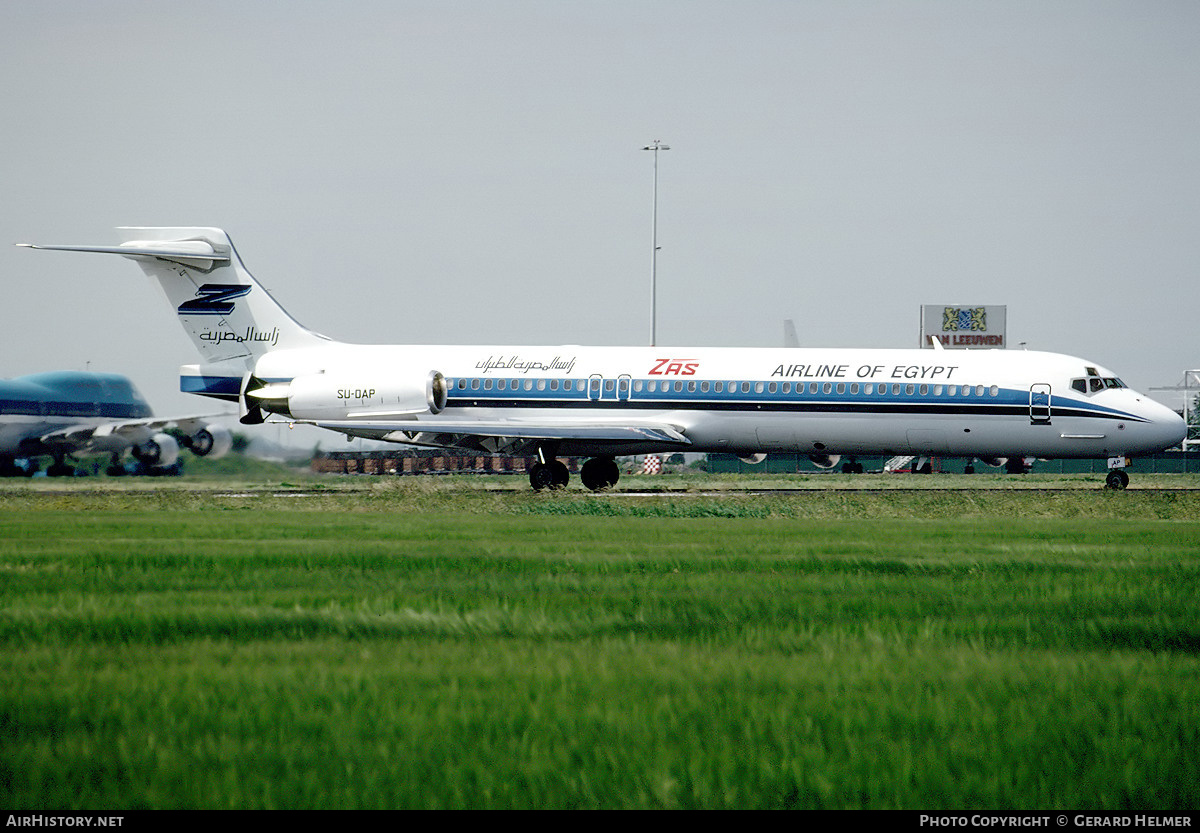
(655, 146)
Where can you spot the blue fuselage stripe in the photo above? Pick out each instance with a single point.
(219, 387)
(1006, 402)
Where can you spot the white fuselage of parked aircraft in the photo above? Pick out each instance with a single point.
(606, 401)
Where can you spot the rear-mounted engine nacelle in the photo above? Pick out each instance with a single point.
(338, 395)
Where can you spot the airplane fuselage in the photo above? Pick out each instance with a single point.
(32, 407)
(749, 400)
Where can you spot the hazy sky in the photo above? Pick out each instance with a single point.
(471, 171)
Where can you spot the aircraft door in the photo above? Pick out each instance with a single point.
(1039, 404)
(623, 384)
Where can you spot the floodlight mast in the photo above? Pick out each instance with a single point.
(655, 146)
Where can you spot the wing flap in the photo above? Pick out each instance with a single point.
(71, 436)
(410, 431)
(121, 432)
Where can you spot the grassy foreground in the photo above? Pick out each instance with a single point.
(442, 644)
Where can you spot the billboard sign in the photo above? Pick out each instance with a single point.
(981, 327)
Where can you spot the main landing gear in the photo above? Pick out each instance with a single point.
(60, 468)
(550, 475)
(596, 474)
(600, 473)
(9, 467)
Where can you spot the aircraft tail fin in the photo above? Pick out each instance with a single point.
(229, 316)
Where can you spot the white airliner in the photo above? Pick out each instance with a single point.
(606, 401)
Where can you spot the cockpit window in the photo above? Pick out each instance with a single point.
(1092, 384)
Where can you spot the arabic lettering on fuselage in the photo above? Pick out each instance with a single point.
(516, 364)
(266, 336)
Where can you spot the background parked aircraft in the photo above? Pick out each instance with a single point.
(68, 413)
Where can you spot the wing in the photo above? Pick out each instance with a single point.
(514, 436)
(118, 435)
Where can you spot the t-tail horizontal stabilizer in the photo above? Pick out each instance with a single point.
(229, 316)
(198, 253)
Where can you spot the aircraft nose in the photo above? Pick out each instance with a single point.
(1168, 426)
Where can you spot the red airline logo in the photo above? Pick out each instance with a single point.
(674, 367)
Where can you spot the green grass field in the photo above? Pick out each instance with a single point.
(463, 643)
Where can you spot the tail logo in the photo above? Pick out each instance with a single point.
(214, 299)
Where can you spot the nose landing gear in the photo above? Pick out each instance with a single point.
(1117, 479)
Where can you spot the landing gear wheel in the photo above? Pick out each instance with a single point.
(9, 468)
(560, 475)
(1117, 479)
(540, 477)
(600, 473)
(60, 470)
(552, 475)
